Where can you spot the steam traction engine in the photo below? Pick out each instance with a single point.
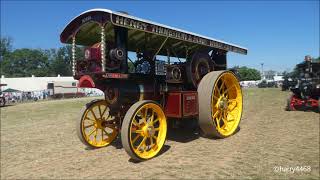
(306, 93)
(176, 75)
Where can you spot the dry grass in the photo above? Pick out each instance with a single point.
(38, 140)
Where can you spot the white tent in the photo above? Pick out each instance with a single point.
(28, 84)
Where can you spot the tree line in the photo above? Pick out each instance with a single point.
(247, 74)
(38, 62)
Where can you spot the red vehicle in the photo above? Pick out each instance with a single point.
(143, 94)
(306, 93)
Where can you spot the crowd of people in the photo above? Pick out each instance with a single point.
(19, 96)
(13, 97)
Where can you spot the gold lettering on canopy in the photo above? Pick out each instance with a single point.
(131, 23)
(136, 24)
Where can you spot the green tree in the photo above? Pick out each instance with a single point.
(295, 73)
(61, 60)
(6, 46)
(248, 74)
(131, 68)
(25, 62)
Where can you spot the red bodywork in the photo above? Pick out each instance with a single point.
(86, 82)
(181, 104)
(92, 61)
(93, 53)
(190, 103)
(298, 102)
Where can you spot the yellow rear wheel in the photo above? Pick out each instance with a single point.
(144, 130)
(96, 127)
(220, 104)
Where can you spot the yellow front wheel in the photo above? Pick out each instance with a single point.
(96, 127)
(144, 130)
(220, 104)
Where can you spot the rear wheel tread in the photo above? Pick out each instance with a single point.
(206, 88)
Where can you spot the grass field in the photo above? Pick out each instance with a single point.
(38, 140)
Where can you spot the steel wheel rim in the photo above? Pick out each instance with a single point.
(226, 103)
(98, 126)
(148, 128)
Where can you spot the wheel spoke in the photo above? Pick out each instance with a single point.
(221, 87)
(232, 100)
(215, 114)
(155, 121)
(215, 97)
(215, 103)
(224, 118)
(231, 109)
(143, 147)
(100, 111)
(89, 126)
(142, 142)
(139, 114)
(152, 116)
(234, 117)
(144, 118)
(225, 122)
(216, 93)
(228, 89)
(134, 122)
(225, 126)
(231, 120)
(106, 119)
(105, 132)
(154, 142)
(90, 119)
(151, 141)
(155, 137)
(138, 131)
(136, 138)
(111, 127)
(101, 134)
(104, 112)
(93, 114)
(217, 89)
(218, 121)
(92, 132)
(95, 136)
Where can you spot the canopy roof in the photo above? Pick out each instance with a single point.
(87, 28)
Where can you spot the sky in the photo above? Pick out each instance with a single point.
(276, 33)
